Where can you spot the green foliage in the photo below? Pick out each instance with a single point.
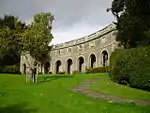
(62, 73)
(10, 32)
(13, 69)
(131, 66)
(115, 69)
(113, 60)
(133, 22)
(16, 37)
(37, 37)
(97, 70)
(77, 72)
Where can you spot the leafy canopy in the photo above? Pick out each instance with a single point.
(133, 22)
(37, 36)
(10, 33)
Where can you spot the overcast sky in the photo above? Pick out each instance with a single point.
(73, 18)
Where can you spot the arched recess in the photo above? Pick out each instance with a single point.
(46, 67)
(80, 64)
(104, 58)
(58, 65)
(69, 66)
(92, 60)
(24, 68)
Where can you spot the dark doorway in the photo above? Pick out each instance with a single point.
(24, 68)
(58, 64)
(69, 63)
(81, 62)
(92, 60)
(46, 67)
(104, 58)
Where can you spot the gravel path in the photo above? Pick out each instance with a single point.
(83, 88)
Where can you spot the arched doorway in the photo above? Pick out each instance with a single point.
(104, 58)
(69, 64)
(24, 68)
(46, 67)
(92, 60)
(80, 62)
(58, 64)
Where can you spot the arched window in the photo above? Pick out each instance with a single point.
(46, 67)
(92, 60)
(104, 58)
(58, 64)
(69, 64)
(80, 62)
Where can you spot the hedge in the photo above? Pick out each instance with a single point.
(113, 59)
(132, 67)
(97, 70)
(13, 69)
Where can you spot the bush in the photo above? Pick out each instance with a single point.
(76, 72)
(131, 66)
(97, 70)
(13, 69)
(61, 72)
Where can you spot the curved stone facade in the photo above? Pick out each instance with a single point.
(90, 51)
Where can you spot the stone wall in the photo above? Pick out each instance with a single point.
(90, 51)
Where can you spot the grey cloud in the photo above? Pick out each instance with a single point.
(66, 12)
(69, 14)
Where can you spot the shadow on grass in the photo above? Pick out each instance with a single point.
(51, 78)
(17, 108)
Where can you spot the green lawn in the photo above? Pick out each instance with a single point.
(105, 85)
(53, 95)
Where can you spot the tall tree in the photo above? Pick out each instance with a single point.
(10, 32)
(133, 22)
(37, 37)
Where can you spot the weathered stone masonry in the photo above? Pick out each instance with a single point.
(90, 51)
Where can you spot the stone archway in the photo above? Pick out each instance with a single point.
(80, 64)
(92, 60)
(58, 65)
(69, 66)
(46, 67)
(24, 68)
(105, 58)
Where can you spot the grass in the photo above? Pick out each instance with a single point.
(108, 87)
(53, 95)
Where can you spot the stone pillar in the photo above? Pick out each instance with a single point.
(53, 68)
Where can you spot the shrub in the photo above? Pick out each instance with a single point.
(131, 66)
(61, 72)
(76, 72)
(13, 69)
(97, 70)
(113, 59)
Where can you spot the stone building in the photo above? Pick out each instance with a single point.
(90, 51)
